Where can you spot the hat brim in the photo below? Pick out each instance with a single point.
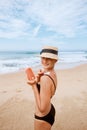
(48, 55)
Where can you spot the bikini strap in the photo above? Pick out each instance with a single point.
(51, 79)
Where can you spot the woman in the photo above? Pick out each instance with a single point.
(44, 86)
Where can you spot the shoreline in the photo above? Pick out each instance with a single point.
(70, 100)
(58, 66)
(63, 66)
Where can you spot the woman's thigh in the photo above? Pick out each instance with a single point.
(41, 125)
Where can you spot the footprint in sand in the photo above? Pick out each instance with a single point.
(4, 91)
(19, 90)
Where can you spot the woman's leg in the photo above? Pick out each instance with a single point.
(41, 125)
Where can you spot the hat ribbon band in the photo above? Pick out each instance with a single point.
(49, 51)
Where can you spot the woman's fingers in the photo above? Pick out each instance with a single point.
(41, 72)
(32, 81)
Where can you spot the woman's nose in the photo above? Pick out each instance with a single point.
(44, 60)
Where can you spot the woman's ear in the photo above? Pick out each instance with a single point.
(55, 61)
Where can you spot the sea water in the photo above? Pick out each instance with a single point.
(12, 61)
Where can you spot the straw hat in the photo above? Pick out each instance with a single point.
(49, 52)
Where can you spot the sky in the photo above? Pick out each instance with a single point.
(31, 24)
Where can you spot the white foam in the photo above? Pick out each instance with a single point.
(14, 62)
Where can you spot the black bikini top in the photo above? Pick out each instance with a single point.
(38, 85)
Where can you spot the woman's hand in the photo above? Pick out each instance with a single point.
(35, 80)
(32, 81)
(38, 76)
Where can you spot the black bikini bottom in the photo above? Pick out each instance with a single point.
(50, 117)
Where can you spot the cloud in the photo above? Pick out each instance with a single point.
(36, 30)
(62, 17)
(25, 17)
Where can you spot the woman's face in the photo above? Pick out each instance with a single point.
(48, 63)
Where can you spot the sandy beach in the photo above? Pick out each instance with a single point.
(70, 100)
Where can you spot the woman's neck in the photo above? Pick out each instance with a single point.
(48, 70)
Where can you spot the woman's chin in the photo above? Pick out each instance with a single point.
(46, 67)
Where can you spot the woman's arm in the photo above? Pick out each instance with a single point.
(43, 98)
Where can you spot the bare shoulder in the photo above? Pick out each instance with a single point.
(45, 79)
(49, 79)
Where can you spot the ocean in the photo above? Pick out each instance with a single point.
(13, 61)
